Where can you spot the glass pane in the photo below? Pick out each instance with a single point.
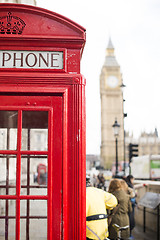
(2, 229)
(38, 207)
(34, 175)
(33, 219)
(8, 208)
(24, 221)
(23, 229)
(8, 220)
(23, 208)
(2, 208)
(11, 229)
(8, 130)
(7, 174)
(2, 190)
(35, 130)
(12, 207)
(38, 229)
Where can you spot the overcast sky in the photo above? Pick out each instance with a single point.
(134, 27)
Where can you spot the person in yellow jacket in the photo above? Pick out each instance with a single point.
(97, 201)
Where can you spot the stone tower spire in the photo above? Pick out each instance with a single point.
(110, 48)
(110, 59)
(29, 2)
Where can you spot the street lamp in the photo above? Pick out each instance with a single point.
(116, 127)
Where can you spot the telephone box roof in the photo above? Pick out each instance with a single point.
(38, 23)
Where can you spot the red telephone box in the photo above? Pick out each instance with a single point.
(41, 175)
(42, 121)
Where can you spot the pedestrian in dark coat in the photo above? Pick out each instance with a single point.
(130, 181)
(120, 216)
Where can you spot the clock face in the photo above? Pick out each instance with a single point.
(112, 81)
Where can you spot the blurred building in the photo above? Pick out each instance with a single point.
(148, 143)
(29, 2)
(111, 108)
(92, 161)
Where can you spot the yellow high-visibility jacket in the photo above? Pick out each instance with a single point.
(97, 201)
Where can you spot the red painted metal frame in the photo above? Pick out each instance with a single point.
(73, 156)
(69, 84)
(18, 174)
(50, 182)
(51, 32)
(19, 152)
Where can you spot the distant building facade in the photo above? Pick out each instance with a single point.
(92, 161)
(111, 108)
(148, 143)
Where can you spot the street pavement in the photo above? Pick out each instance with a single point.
(138, 234)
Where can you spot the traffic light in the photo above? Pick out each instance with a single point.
(133, 151)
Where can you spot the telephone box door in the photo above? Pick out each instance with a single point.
(31, 163)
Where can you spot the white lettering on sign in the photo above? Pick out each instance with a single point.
(31, 59)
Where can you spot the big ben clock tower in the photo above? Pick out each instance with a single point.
(111, 108)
